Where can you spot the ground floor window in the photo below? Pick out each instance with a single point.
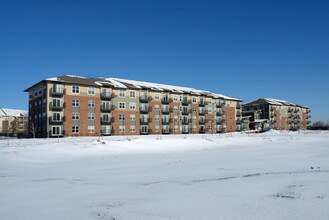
(122, 128)
(56, 130)
(91, 129)
(132, 128)
(144, 129)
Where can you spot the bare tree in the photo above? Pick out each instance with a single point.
(33, 129)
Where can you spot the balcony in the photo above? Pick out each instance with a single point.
(184, 112)
(202, 130)
(290, 109)
(238, 105)
(57, 134)
(219, 121)
(238, 121)
(145, 131)
(219, 129)
(185, 122)
(57, 121)
(165, 121)
(54, 107)
(55, 92)
(272, 115)
(165, 100)
(308, 116)
(144, 109)
(202, 103)
(238, 113)
(308, 122)
(185, 101)
(219, 112)
(145, 98)
(166, 131)
(106, 109)
(202, 121)
(308, 111)
(165, 110)
(296, 110)
(106, 122)
(106, 96)
(144, 121)
(219, 104)
(202, 112)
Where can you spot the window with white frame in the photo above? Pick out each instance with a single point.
(75, 129)
(209, 110)
(156, 96)
(132, 118)
(106, 117)
(157, 117)
(132, 128)
(157, 107)
(91, 104)
(56, 130)
(75, 89)
(75, 103)
(122, 128)
(132, 105)
(75, 115)
(122, 105)
(121, 117)
(56, 103)
(176, 98)
(122, 93)
(91, 90)
(132, 94)
(91, 116)
(194, 99)
(91, 128)
(56, 116)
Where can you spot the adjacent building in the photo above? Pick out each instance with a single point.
(266, 113)
(80, 106)
(13, 122)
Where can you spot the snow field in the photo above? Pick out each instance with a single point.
(274, 175)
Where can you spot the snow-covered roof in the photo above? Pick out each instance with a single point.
(272, 101)
(13, 112)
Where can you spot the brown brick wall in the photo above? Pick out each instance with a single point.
(230, 119)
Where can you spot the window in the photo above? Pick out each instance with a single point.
(56, 103)
(194, 99)
(105, 105)
(56, 130)
(75, 129)
(176, 98)
(156, 96)
(144, 129)
(106, 129)
(132, 118)
(75, 103)
(132, 94)
(56, 116)
(91, 90)
(91, 129)
(132, 105)
(132, 128)
(194, 109)
(157, 117)
(122, 105)
(75, 115)
(122, 128)
(209, 110)
(91, 116)
(157, 107)
(121, 117)
(106, 117)
(122, 93)
(75, 89)
(91, 104)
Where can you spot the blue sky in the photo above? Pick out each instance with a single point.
(245, 49)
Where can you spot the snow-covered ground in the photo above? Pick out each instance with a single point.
(274, 175)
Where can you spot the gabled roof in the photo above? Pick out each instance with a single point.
(271, 101)
(13, 112)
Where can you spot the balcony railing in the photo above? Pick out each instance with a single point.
(105, 108)
(202, 130)
(145, 131)
(202, 121)
(165, 110)
(56, 121)
(165, 100)
(202, 103)
(185, 121)
(106, 95)
(219, 121)
(166, 131)
(165, 121)
(185, 101)
(106, 122)
(145, 109)
(145, 98)
(219, 112)
(185, 112)
(144, 121)
(238, 113)
(238, 121)
(202, 112)
(56, 92)
(54, 107)
(57, 134)
(238, 105)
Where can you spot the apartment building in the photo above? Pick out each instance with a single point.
(13, 122)
(80, 106)
(278, 114)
